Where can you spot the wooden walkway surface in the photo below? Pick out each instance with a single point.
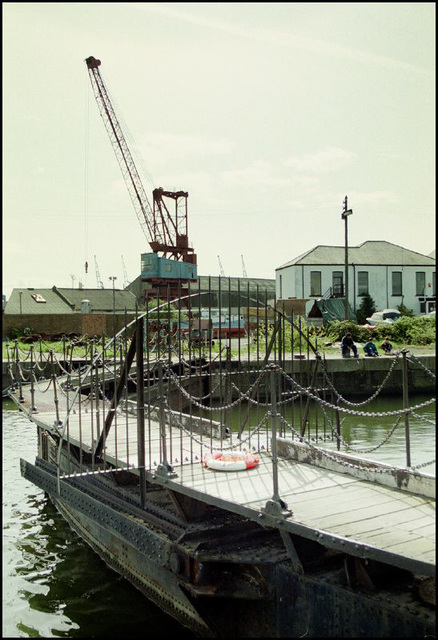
(335, 508)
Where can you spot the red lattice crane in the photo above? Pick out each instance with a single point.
(166, 232)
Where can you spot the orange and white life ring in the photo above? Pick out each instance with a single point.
(230, 461)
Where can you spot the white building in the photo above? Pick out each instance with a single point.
(390, 274)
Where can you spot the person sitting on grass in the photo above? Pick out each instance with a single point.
(347, 344)
(370, 349)
(386, 346)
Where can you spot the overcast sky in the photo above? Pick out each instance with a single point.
(268, 114)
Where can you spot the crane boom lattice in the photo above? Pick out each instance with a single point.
(165, 233)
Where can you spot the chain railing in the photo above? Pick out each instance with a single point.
(114, 422)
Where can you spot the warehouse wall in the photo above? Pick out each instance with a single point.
(53, 324)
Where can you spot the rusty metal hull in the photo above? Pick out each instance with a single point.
(224, 576)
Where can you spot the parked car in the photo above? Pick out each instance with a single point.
(387, 315)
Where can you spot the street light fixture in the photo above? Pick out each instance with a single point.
(345, 213)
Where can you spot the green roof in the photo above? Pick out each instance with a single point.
(332, 309)
(101, 299)
(25, 301)
(64, 301)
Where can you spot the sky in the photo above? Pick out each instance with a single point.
(267, 114)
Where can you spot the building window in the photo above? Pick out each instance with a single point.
(315, 283)
(145, 263)
(397, 283)
(420, 283)
(281, 286)
(433, 284)
(362, 283)
(338, 283)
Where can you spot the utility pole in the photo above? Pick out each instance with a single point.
(345, 213)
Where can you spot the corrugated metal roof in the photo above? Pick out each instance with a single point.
(21, 301)
(62, 301)
(377, 252)
(101, 299)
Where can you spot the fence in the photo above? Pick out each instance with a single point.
(158, 394)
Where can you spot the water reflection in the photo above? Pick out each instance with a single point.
(359, 432)
(54, 585)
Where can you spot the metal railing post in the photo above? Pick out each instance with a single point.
(405, 406)
(33, 408)
(18, 373)
(139, 330)
(164, 469)
(58, 422)
(272, 383)
(275, 507)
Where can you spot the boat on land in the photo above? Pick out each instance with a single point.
(306, 542)
(387, 316)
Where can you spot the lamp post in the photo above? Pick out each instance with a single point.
(345, 213)
(114, 278)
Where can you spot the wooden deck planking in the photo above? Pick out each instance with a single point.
(385, 525)
(363, 513)
(323, 500)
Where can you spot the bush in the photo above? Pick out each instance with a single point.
(15, 334)
(419, 331)
(337, 330)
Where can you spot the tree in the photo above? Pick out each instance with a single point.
(366, 309)
(405, 311)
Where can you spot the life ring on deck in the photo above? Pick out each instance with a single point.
(230, 461)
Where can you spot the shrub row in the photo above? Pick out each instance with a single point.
(419, 331)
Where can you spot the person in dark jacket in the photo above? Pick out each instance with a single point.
(370, 349)
(386, 346)
(347, 344)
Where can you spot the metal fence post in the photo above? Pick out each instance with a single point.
(405, 406)
(18, 373)
(33, 408)
(276, 506)
(58, 422)
(164, 469)
(273, 390)
(140, 408)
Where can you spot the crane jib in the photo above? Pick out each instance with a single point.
(167, 232)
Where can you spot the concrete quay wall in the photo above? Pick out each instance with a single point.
(354, 376)
(349, 376)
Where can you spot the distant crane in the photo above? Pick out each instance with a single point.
(221, 269)
(99, 281)
(125, 275)
(245, 275)
(166, 233)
